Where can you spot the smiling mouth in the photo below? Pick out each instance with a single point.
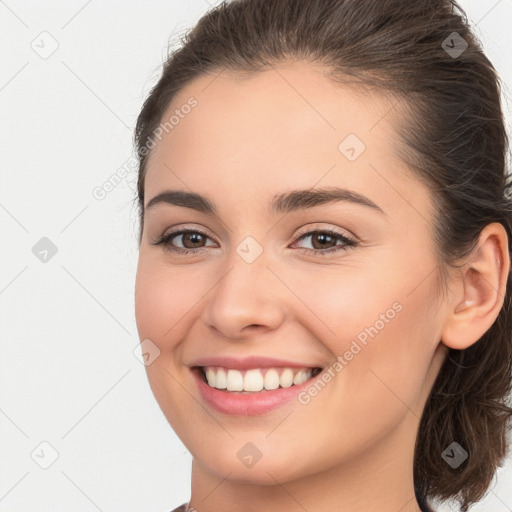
(255, 380)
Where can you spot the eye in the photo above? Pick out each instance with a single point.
(191, 237)
(323, 239)
(192, 241)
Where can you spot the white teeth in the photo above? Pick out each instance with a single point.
(253, 380)
(256, 379)
(221, 379)
(286, 379)
(300, 377)
(271, 379)
(234, 381)
(210, 377)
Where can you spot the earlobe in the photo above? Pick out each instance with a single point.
(482, 284)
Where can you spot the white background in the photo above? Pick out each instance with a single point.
(68, 375)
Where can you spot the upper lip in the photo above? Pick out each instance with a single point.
(250, 362)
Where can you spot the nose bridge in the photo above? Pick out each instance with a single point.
(246, 294)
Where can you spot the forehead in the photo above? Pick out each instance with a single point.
(279, 106)
(286, 127)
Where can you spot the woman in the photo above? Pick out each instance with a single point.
(324, 267)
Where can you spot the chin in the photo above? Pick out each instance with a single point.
(266, 471)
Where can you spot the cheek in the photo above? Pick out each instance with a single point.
(342, 303)
(164, 295)
(383, 333)
(378, 385)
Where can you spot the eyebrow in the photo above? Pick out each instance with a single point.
(281, 203)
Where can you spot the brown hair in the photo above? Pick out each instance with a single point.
(452, 136)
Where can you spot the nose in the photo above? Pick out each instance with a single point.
(247, 299)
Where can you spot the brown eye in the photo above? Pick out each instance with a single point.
(325, 241)
(192, 240)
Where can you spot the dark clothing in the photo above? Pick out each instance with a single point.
(181, 508)
(424, 507)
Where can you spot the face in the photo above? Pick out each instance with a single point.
(274, 282)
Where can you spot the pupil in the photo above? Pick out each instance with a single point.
(322, 236)
(193, 235)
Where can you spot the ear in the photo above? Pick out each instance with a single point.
(479, 292)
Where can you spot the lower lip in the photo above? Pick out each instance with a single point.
(247, 404)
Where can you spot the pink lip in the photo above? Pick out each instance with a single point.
(246, 404)
(249, 362)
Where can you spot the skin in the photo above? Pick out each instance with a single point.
(351, 447)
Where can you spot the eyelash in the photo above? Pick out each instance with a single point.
(348, 243)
